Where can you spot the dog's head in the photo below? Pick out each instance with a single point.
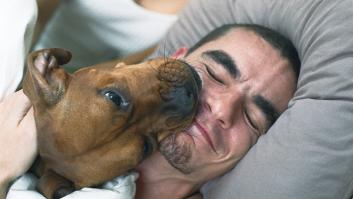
(127, 109)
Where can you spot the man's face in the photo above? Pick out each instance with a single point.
(246, 84)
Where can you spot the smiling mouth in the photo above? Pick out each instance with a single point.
(205, 135)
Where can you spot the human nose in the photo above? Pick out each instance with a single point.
(225, 109)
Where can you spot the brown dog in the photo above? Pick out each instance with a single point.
(102, 120)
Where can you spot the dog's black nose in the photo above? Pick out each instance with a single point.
(183, 99)
(180, 87)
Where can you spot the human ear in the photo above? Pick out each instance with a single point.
(180, 53)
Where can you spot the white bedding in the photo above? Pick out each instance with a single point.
(122, 187)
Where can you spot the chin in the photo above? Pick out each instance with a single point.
(177, 152)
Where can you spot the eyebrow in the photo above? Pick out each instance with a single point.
(267, 109)
(225, 60)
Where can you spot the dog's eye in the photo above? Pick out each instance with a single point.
(116, 98)
(147, 147)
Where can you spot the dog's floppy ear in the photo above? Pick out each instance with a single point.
(45, 82)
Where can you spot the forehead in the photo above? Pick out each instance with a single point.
(263, 70)
(247, 48)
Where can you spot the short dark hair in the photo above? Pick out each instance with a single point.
(278, 41)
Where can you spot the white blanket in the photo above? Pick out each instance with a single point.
(122, 187)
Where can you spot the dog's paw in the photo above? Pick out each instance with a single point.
(62, 192)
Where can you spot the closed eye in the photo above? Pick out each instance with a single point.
(212, 74)
(250, 122)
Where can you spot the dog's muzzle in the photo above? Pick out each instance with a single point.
(180, 87)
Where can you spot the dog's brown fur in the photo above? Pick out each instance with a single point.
(95, 124)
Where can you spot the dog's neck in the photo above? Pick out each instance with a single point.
(158, 179)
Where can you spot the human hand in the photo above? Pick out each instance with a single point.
(18, 142)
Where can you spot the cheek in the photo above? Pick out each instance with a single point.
(240, 143)
(209, 90)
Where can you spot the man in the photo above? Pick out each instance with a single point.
(248, 76)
